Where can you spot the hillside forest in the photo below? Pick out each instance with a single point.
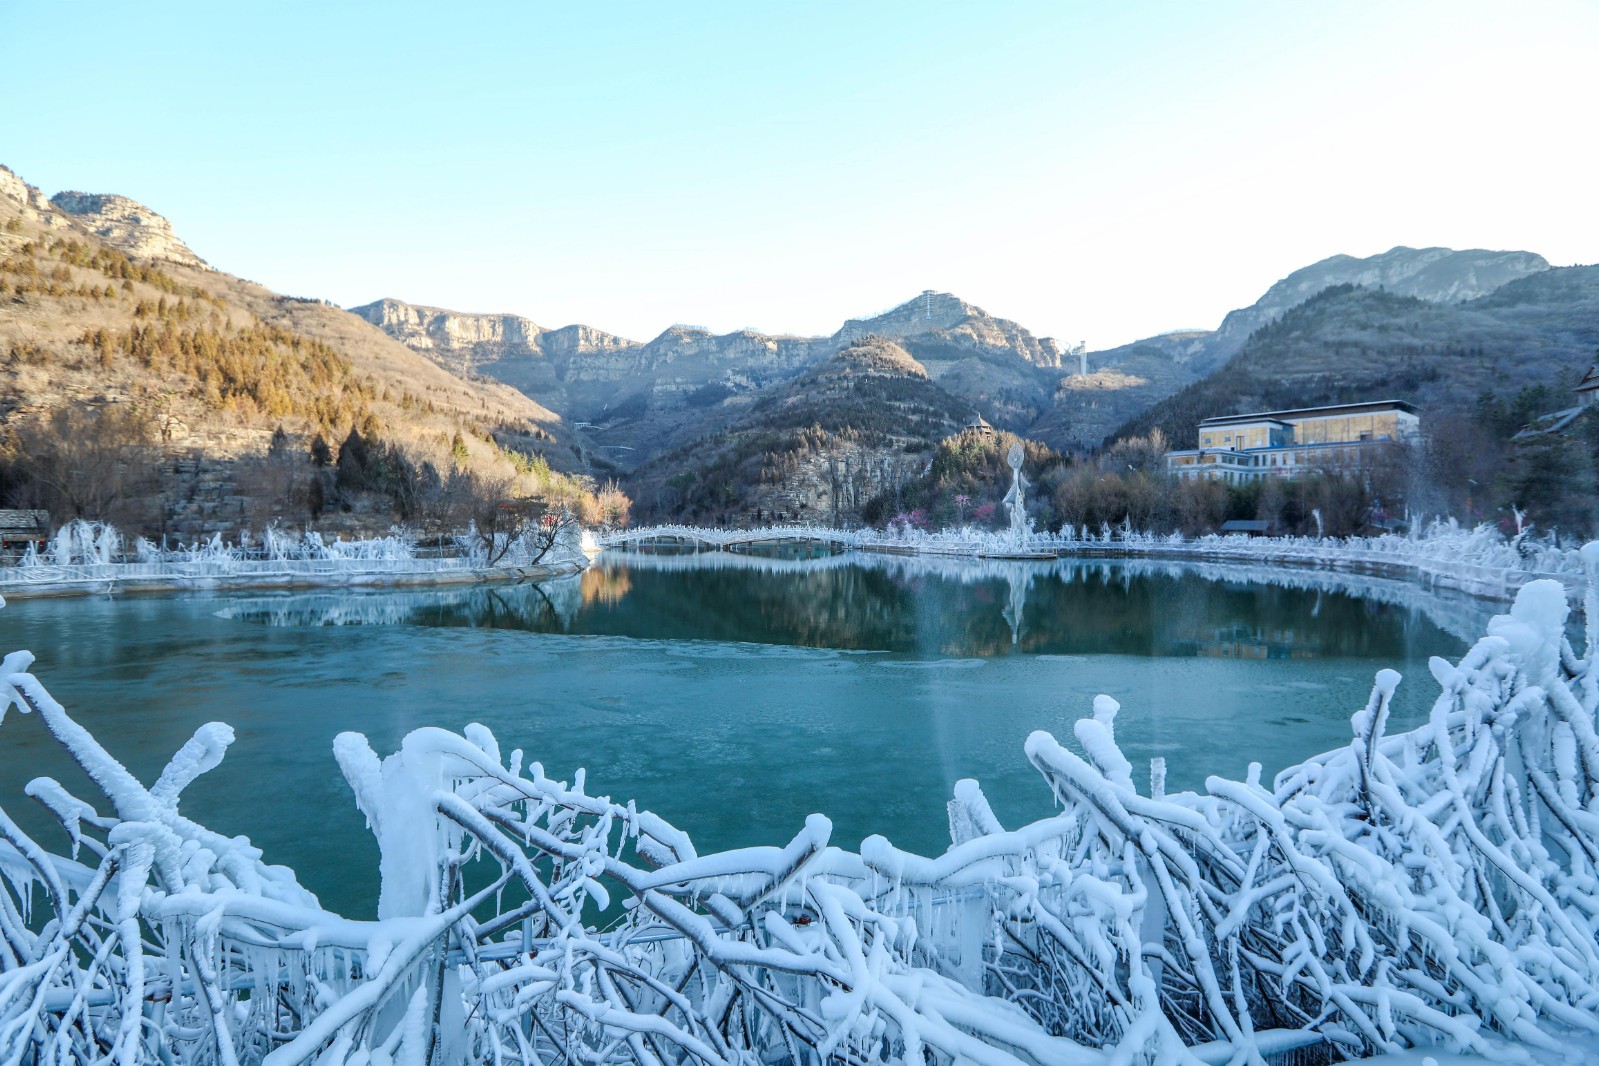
(177, 402)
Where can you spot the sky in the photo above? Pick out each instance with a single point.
(1097, 172)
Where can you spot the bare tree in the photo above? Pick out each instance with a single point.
(506, 523)
(85, 462)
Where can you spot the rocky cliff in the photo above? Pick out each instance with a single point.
(20, 192)
(637, 401)
(127, 225)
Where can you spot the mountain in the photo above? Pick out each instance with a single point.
(1435, 275)
(957, 326)
(1127, 380)
(102, 304)
(820, 446)
(1349, 342)
(636, 400)
(104, 309)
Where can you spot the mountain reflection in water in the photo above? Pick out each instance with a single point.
(927, 606)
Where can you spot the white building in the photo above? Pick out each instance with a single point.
(1241, 448)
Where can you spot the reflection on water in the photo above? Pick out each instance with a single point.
(925, 605)
(731, 694)
(606, 585)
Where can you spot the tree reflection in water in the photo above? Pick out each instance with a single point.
(928, 606)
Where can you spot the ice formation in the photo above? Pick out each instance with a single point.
(1021, 527)
(1427, 890)
(91, 555)
(1477, 559)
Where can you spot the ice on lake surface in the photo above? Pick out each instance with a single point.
(731, 698)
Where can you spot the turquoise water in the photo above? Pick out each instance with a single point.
(730, 696)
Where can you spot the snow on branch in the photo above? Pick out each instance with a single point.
(1430, 889)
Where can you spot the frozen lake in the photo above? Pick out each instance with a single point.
(732, 697)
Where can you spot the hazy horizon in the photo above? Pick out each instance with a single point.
(1097, 174)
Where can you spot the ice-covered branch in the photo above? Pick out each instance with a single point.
(1435, 888)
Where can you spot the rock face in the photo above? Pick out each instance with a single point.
(468, 343)
(14, 188)
(127, 225)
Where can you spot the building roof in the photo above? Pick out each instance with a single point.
(1590, 380)
(1301, 413)
(30, 521)
(1239, 420)
(978, 422)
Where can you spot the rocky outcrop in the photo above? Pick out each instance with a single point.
(640, 400)
(127, 225)
(15, 189)
(876, 356)
(456, 341)
(467, 343)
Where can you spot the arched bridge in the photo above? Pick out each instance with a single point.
(733, 540)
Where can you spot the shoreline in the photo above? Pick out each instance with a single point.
(1490, 583)
(1441, 561)
(361, 575)
(1423, 568)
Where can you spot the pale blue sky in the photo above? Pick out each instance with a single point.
(1095, 171)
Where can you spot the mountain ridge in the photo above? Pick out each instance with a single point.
(1349, 342)
(1130, 378)
(640, 398)
(610, 404)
